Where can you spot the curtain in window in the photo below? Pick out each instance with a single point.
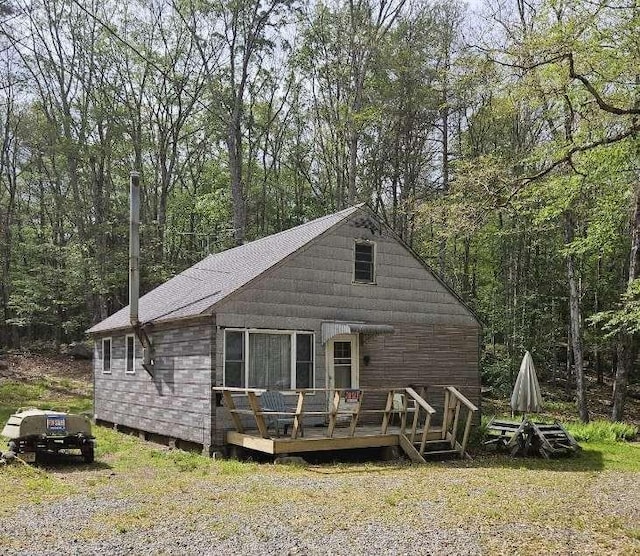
(270, 361)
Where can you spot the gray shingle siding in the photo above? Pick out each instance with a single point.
(436, 338)
(176, 401)
(316, 284)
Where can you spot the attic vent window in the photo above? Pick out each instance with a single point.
(364, 262)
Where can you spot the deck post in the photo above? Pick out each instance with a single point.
(231, 406)
(403, 418)
(257, 412)
(334, 413)
(387, 412)
(454, 430)
(414, 426)
(425, 433)
(355, 416)
(445, 416)
(297, 420)
(467, 430)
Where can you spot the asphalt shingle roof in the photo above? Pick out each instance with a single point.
(196, 289)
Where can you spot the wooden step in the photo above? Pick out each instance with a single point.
(441, 452)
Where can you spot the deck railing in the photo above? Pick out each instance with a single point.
(345, 406)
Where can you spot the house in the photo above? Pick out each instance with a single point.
(338, 302)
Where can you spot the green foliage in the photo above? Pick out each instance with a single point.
(625, 319)
(497, 370)
(602, 431)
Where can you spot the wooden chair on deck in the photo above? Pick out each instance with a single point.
(398, 407)
(272, 400)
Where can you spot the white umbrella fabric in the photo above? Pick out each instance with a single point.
(526, 397)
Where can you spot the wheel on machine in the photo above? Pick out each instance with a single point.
(88, 453)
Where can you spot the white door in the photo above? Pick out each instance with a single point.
(342, 362)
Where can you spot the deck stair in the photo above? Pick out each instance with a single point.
(441, 441)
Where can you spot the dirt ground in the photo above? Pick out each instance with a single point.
(31, 367)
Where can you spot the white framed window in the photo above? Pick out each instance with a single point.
(364, 257)
(130, 354)
(269, 359)
(106, 355)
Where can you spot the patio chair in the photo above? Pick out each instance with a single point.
(398, 407)
(272, 400)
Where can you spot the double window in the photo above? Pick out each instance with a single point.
(364, 262)
(279, 360)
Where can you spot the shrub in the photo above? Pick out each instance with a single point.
(602, 431)
(497, 372)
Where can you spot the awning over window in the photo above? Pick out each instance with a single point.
(331, 329)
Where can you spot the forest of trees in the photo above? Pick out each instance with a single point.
(502, 142)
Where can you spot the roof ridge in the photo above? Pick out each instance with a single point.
(275, 234)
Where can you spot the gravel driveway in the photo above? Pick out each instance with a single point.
(82, 525)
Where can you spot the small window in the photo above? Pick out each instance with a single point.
(364, 263)
(131, 354)
(234, 358)
(106, 355)
(304, 360)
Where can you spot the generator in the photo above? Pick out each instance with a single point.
(33, 432)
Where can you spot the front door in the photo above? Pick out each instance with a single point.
(342, 362)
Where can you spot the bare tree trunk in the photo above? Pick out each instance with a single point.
(234, 147)
(576, 324)
(627, 343)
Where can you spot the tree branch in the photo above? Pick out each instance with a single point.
(592, 91)
(567, 158)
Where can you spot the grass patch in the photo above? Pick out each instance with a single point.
(22, 484)
(44, 393)
(613, 456)
(235, 468)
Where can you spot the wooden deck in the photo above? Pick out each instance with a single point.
(413, 432)
(315, 440)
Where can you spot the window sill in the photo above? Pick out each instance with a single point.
(356, 283)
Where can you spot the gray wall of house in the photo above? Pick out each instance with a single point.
(176, 402)
(435, 339)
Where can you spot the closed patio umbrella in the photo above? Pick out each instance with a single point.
(526, 397)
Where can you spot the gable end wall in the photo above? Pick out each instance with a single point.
(436, 336)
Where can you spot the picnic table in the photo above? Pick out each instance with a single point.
(528, 438)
